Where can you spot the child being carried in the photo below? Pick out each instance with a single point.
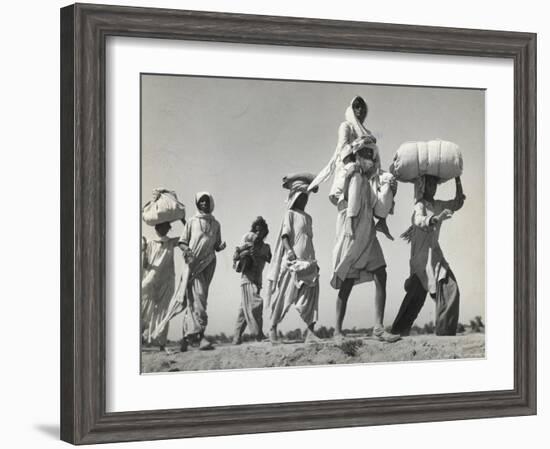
(384, 182)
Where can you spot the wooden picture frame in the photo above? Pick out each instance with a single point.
(84, 29)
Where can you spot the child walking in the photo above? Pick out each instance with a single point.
(250, 259)
(294, 274)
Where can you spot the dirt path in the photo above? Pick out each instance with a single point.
(354, 350)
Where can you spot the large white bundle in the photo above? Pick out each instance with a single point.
(436, 157)
(165, 207)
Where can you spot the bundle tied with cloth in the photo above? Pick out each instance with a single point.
(164, 207)
(413, 160)
(439, 158)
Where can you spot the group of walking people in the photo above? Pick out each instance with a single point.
(363, 195)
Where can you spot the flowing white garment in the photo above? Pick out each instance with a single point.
(157, 286)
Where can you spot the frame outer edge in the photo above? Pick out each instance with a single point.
(530, 113)
(525, 224)
(90, 213)
(67, 360)
(83, 189)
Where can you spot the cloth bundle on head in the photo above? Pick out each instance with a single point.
(297, 183)
(439, 158)
(164, 207)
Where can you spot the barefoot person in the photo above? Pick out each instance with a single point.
(350, 131)
(357, 255)
(200, 241)
(250, 259)
(430, 272)
(294, 274)
(158, 281)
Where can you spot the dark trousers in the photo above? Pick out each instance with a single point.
(447, 299)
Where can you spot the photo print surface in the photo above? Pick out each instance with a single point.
(295, 223)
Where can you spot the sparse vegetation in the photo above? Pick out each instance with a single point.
(429, 328)
(477, 324)
(350, 347)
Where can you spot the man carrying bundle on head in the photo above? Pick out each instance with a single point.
(294, 273)
(429, 270)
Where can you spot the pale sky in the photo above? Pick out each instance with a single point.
(236, 138)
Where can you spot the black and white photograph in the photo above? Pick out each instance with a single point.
(292, 223)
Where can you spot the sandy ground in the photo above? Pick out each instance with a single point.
(353, 350)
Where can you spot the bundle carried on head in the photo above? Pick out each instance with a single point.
(164, 207)
(436, 157)
(299, 182)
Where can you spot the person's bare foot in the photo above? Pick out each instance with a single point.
(273, 338)
(260, 337)
(164, 349)
(184, 345)
(383, 335)
(338, 337)
(382, 226)
(311, 338)
(205, 345)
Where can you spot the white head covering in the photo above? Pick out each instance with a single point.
(357, 126)
(359, 130)
(199, 195)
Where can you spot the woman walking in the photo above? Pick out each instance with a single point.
(158, 282)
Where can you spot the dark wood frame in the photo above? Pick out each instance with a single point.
(84, 29)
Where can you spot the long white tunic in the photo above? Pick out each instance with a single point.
(359, 256)
(158, 282)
